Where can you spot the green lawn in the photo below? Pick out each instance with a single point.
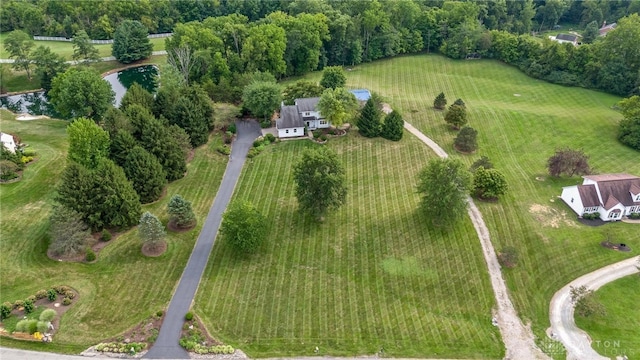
(521, 121)
(65, 48)
(372, 276)
(617, 332)
(123, 287)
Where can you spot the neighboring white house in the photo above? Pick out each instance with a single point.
(8, 142)
(611, 195)
(605, 29)
(565, 38)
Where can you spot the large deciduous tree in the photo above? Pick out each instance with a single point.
(569, 162)
(392, 128)
(69, 234)
(18, 44)
(629, 132)
(243, 227)
(338, 106)
(47, 65)
(444, 184)
(369, 124)
(81, 93)
(130, 42)
(146, 174)
(320, 181)
(264, 49)
(83, 49)
(333, 77)
(489, 183)
(301, 89)
(262, 98)
(88, 142)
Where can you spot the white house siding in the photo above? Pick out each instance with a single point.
(571, 197)
(291, 132)
(605, 215)
(7, 141)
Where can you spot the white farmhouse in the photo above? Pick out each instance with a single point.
(611, 195)
(8, 142)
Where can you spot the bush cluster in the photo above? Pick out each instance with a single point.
(90, 256)
(195, 342)
(224, 149)
(66, 301)
(52, 295)
(188, 316)
(591, 216)
(634, 215)
(120, 347)
(48, 315)
(41, 294)
(106, 235)
(5, 311)
(28, 306)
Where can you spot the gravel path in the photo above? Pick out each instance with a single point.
(561, 309)
(518, 339)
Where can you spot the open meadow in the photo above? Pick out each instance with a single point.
(123, 287)
(373, 276)
(520, 123)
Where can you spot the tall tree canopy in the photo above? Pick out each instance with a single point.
(333, 77)
(18, 44)
(88, 142)
(243, 227)
(262, 98)
(83, 49)
(338, 106)
(130, 42)
(444, 185)
(145, 173)
(393, 126)
(47, 65)
(369, 124)
(320, 181)
(264, 49)
(81, 92)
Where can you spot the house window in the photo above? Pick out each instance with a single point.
(307, 114)
(295, 130)
(572, 200)
(322, 122)
(638, 198)
(286, 131)
(614, 214)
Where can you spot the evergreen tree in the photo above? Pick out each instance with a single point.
(146, 173)
(121, 144)
(456, 116)
(151, 231)
(69, 234)
(83, 49)
(369, 119)
(130, 42)
(440, 102)
(193, 112)
(466, 141)
(459, 102)
(180, 212)
(165, 144)
(136, 94)
(393, 126)
(113, 120)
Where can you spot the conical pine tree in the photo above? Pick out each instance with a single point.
(369, 120)
(392, 127)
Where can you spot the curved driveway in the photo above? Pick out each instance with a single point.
(561, 309)
(167, 347)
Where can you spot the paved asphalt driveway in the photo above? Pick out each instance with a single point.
(166, 346)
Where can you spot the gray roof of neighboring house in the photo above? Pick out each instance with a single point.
(307, 104)
(567, 37)
(588, 195)
(289, 118)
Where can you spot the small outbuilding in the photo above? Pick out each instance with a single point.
(8, 142)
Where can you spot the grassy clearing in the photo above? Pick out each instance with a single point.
(617, 332)
(65, 48)
(521, 121)
(371, 276)
(123, 287)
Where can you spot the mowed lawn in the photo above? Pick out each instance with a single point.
(373, 277)
(521, 121)
(123, 287)
(616, 333)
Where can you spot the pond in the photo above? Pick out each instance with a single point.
(36, 103)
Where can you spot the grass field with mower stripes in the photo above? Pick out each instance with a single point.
(372, 276)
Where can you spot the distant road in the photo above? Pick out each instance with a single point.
(74, 62)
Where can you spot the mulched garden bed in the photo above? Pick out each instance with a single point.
(594, 222)
(614, 246)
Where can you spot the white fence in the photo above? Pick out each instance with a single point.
(60, 38)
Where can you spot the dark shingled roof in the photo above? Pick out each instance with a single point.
(566, 37)
(619, 189)
(635, 188)
(289, 118)
(307, 104)
(588, 195)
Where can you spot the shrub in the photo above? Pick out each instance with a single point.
(90, 256)
(8, 170)
(482, 162)
(52, 294)
(253, 152)
(224, 150)
(66, 301)
(508, 257)
(48, 315)
(22, 326)
(232, 128)
(32, 326)
(70, 294)
(26, 159)
(323, 137)
(28, 306)
(5, 311)
(265, 124)
(106, 235)
(29, 152)
(159, 313)
(258, 142)
(466, 141)
(228, 137)
(317, 133)
(18, 304)
(188, 316)
(32, 298)
(42, 326)
(41, 294)
(270, 137)
(61, 289)
(634, 215)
